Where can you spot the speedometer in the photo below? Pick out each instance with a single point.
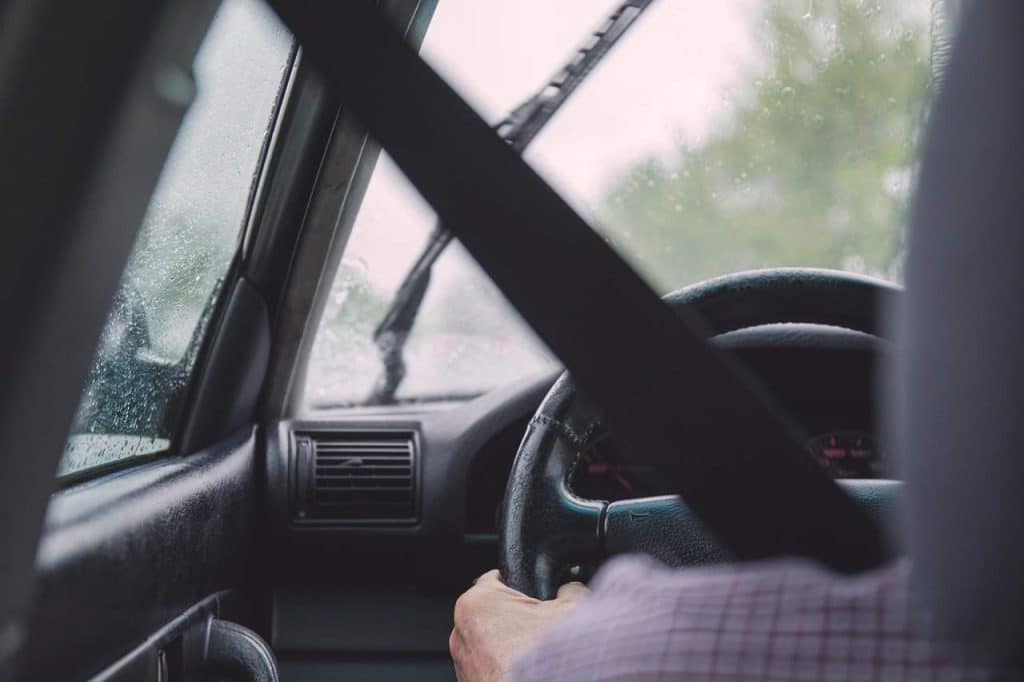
(605, 473)
(847, 454)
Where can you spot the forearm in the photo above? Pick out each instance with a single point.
(782, 619)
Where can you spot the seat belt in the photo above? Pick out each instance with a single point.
(686, 409)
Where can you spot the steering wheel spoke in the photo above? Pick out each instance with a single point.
(662, 527)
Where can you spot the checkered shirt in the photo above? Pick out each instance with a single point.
(782, 620)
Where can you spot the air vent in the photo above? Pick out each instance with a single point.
(355, 477)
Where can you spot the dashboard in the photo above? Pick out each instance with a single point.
(452, 464)
(822, 376)
(399, 505)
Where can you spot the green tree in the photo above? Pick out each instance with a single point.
(812, 165)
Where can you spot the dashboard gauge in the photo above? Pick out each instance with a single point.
(847, 454)
(606, 473)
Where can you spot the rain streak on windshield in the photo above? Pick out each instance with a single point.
(716, 137)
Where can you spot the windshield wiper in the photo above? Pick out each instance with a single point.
(518, 129)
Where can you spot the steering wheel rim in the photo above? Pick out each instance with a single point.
(546, 527)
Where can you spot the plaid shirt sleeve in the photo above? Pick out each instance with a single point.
(782, 620)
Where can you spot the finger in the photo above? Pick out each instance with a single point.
(457, 648)
(455, 643)
(491, 576)
(572, 591)
(460, 675)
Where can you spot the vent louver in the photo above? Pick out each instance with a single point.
(356, 477)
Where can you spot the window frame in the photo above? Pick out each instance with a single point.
(345, 160)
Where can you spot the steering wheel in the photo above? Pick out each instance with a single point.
(546, 528)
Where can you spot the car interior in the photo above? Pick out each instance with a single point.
(313, 318)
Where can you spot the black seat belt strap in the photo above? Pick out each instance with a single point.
(681, 404)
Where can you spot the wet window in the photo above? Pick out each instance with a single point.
(467, 338)
(716, 137)
(145, 357)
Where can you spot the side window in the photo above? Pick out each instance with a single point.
(135, 391)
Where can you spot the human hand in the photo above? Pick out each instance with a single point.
(494, 624)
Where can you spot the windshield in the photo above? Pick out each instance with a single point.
(716, 137)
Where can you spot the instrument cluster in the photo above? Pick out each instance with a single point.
(606, 473)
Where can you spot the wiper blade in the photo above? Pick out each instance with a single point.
(393, 330)
(518, 129)
(529, 118)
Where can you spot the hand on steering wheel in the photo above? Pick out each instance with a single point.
(494, 624)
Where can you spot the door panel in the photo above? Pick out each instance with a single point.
(126, 554)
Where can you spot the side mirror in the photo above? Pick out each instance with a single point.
(126, 333)
(128, 385)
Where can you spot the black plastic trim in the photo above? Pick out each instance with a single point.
(126, 553)
(294, 496)
(235, 652)
(166, 653)
(69, 480)
(229, 383)
(305, 125)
